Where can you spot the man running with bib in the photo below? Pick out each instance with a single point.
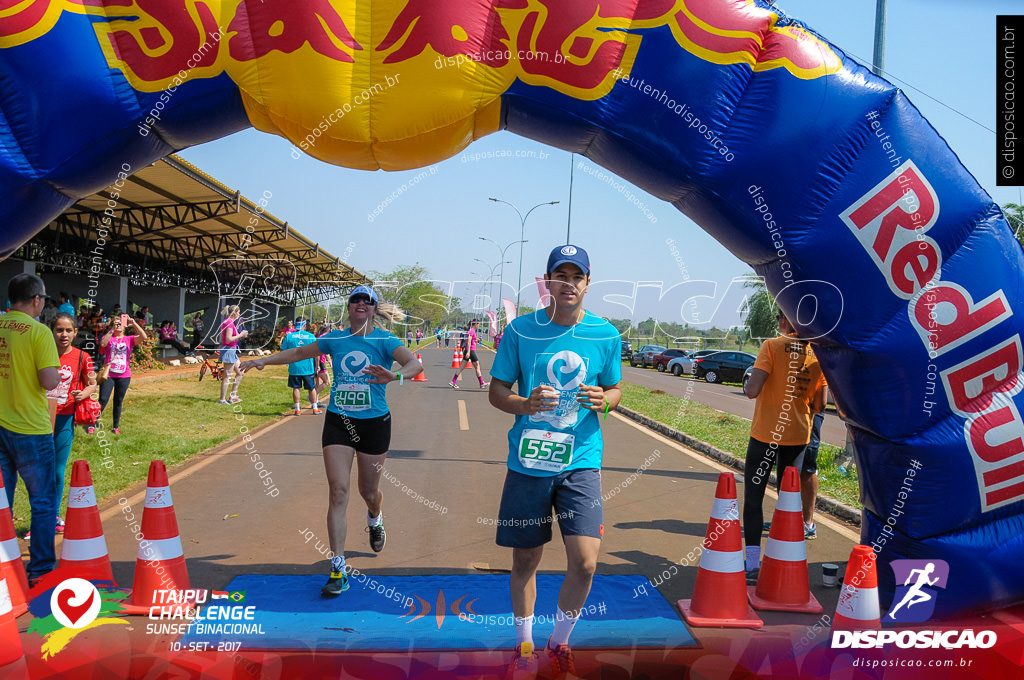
(567, 364)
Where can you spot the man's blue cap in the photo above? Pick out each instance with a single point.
(365, 290)
(300, 324)
(570, 254)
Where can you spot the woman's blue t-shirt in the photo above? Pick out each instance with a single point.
(352, 395)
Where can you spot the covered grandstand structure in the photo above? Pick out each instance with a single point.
(175, 239)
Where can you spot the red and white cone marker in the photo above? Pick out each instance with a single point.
(720, 594)
(160, 564)
(457, 357)
(858, 608)
(12, 656)
(11, 566)
(84, 546)
(422, 375)
(784, 584)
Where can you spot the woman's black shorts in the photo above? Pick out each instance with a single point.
(365, 435)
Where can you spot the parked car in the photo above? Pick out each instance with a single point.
(660, 361)
(723, 366)
(644, 356)
(681, 365)
(627, 350)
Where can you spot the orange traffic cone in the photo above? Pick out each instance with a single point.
(720, 594)
(422, 375)
(457, 357)
(784, 584)
(858, 608)
(84, 546)
(161, 562)
(11, 566)
(12, 656)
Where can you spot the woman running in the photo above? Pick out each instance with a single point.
(358, 423)
(229, 337)
(77, 383)
(469, 343)
(117, 348)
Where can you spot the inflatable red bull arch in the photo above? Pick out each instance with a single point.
(820, 175)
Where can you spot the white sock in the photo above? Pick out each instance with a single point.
(753, 557)
(338, 563)
(374, 521)
(298, 406)
(524, 629)
(563, 628)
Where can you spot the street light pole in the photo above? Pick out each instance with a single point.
(501, 276)
(522, 237)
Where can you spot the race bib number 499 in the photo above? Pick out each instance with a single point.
(352, 397)
(544, 450)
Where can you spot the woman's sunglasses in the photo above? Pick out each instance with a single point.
(365, 299)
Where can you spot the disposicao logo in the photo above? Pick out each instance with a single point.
(567, 370)
(914, 601)
(354, 362)
(64, 607)
(75, 603)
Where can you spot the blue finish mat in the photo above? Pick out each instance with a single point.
(415, 613)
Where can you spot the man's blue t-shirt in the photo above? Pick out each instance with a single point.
(299, 339)
(352, 395)
(535, 351)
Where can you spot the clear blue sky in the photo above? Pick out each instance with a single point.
(944, 48)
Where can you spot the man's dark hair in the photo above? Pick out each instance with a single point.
(65, 296)
(23, 287)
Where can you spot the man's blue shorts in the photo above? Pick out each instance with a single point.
(525, 515)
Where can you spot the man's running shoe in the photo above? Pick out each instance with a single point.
(524, 663)
(336, 584)
(378, 537)
(454, 384)
(317, 411)
(297, 412)
(810, 533)
(562, 665)
(752, 575)
(766, 527)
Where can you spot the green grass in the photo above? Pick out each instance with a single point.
(169, 420)
(731, 433)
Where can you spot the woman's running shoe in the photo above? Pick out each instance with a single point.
(336, 584)
(378, 537)
(524, 663)
(561, 661)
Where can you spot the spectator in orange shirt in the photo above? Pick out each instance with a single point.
(787, 384)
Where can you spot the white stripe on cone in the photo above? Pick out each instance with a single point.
(9, 550)
(158, 497)
(860, 604)
(787, 551)
(789, 501)
(722, 562)
(160, 550)
(81, 549)
(81, 497)
(725, 509)
(5, 598)
(3, 500)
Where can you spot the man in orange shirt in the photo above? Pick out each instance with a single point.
(788, 385)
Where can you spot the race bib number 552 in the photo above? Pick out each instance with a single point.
(544, 450)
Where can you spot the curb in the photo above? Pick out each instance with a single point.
(824, 503)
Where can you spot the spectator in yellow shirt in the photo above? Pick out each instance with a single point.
(28, 368)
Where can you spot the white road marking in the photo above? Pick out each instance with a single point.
(463, 415)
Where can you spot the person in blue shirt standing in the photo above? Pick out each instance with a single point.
(358, 422)
(301, 373)
(566, 362)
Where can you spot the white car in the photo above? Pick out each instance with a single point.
(685, 364)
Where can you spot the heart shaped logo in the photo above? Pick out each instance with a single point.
(355, 362)
(75, 603)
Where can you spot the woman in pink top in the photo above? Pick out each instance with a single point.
(229, 337)
(469, 349)
(117, 352)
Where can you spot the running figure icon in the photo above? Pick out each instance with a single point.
(915, 595)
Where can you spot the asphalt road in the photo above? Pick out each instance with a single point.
(448, 446)
(728, 398)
